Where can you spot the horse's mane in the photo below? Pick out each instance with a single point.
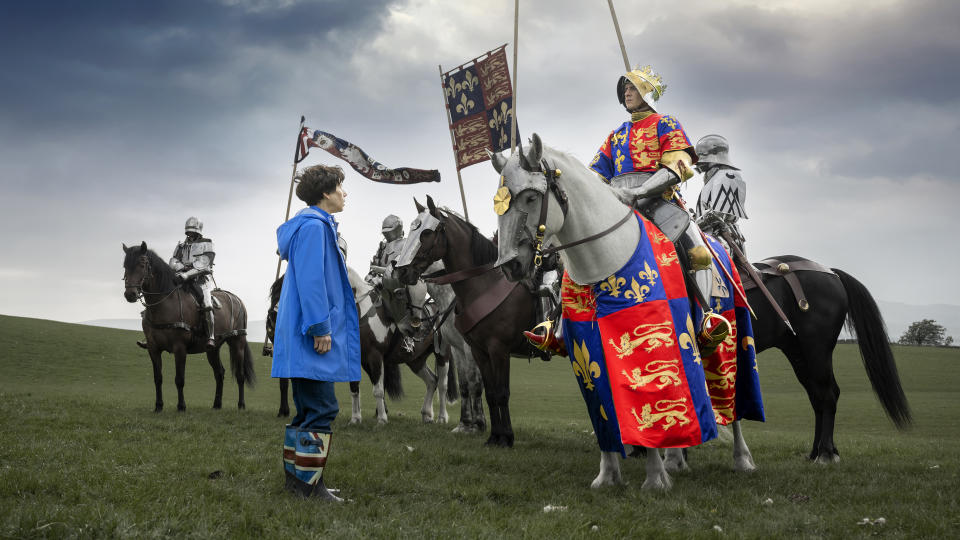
(482, 249)
(275, 290)
(163, 275)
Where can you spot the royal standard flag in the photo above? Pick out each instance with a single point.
(480, 107)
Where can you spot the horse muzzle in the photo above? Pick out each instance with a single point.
(130, 294)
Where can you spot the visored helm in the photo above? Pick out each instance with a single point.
(392, 227)
(714, 149)
(193, 225)
(649, 83)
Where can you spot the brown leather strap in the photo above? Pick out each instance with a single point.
(794, 283)
(788, 270)
(483, 306)
(460, 275)
(609, 230)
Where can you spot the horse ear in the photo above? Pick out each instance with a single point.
(125, 248)
(497, 160)
(433, 207)
(143, 246)
(536, 150)
(420, 207)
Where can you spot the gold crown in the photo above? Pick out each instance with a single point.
(653, 81)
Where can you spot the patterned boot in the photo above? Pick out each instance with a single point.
(289, 457)
(312, 448)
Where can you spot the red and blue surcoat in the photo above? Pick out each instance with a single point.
(639, 146)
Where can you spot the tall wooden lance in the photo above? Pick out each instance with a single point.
(513, 117)
(616, 26)
(293, 176)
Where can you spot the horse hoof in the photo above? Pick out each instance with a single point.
(659, 482)
(354, 421)
(827, 459)
(241, 406)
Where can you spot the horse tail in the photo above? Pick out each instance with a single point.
(392, 383)
(452, 393)
(242, 368)
(871, 332)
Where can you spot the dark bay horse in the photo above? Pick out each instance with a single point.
(172, 323)
(381, 354)
(495, 330)
(830, 298)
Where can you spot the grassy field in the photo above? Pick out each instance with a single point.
(83, 455)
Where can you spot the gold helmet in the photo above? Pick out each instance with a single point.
(649, 83)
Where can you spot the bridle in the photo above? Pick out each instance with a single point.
(551, 175)
(144, 261)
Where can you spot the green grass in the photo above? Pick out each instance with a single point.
(83, 455)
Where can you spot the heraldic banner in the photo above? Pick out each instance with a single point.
(361, 162)
(480, 107)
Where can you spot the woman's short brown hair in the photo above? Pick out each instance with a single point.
(317, 181)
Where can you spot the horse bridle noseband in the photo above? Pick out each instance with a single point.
(139, 287)
(551, 175)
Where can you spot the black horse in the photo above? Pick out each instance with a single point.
(825, 300)
(172, 323)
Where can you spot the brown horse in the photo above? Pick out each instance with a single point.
(495, 330)
(172, 323)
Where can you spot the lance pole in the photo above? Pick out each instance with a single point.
(453, 143)
(616, 26)
(293, 176)
(516, 34)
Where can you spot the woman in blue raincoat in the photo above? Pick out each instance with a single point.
(317, 340)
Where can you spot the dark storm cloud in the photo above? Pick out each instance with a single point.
(75, 64)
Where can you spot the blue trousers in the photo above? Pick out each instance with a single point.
(316, 404)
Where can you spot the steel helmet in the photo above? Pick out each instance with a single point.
(714, 149)
(392, 227)
(193, 225)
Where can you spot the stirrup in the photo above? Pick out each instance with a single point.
(547, 341)
(714, 331)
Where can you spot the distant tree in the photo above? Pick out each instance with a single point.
(925, 332)
(948, 342)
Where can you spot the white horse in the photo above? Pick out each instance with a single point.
(579, 206)
(453, 344)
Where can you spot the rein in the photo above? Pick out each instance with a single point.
(552, 185)
(442, 278)
(142, 294)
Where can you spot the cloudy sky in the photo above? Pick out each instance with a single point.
(120, 119)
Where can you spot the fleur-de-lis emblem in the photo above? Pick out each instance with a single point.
(637, 292)
(469, 81)
(619, 161)
(465, 104)
(612, 285)
(582, 366)
(499, 122)
(648, 274)
(686, 341)
(596, 158)
(620, 137)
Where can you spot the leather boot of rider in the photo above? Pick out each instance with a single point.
(311, 450)
(545, 339)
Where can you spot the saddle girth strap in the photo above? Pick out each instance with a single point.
(788, 270)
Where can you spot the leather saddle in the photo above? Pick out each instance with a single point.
(787, 268)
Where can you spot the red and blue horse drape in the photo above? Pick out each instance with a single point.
(631, 340)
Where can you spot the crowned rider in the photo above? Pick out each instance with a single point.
(724, 193)
(193, 261)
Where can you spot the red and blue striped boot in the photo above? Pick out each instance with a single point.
(312, 448)
(289, 456)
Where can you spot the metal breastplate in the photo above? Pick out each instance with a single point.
(667, 216)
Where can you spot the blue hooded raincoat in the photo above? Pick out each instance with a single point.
(316, 300)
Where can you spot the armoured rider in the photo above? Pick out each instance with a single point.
(396, 296)
(724, 194)
(645, 159)
(193, 261)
